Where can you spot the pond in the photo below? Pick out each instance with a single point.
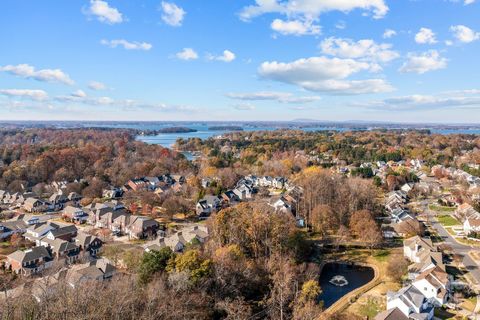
(338, 279)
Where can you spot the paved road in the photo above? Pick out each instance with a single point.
(468, 262)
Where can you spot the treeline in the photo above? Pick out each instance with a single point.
(351, 147)
(95, 156)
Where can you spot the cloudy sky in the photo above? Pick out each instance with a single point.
(402, 60)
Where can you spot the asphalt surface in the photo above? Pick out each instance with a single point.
(458, 248)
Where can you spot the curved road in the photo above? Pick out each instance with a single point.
(468, 262)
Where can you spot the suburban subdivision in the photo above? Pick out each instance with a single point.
(278, 224)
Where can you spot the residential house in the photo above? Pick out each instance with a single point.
(37, 231)
(61, 249)
(178, 178)
(279, 182)
(141, 227)
(31, 219)
(35, 205)
(112, 193)
(428, 260)
(88, 243)
(177, 241)
(152, 183)
(137, 184)
(97, 270)
(58, 200)
(30, 261)
(411, 302)
(265, 181)
(399, 215)
(243, 192)
(59, 185)
(74, 214)
(415, 247)
(66, 233)
(208, 205)
(408, 227)
(391, 314)
(229, 197)
(281, 205)
(74, 197)
(466, 211)
(434, 284)
(471, 225)
(8, 228)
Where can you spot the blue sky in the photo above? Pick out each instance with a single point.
(409, 61)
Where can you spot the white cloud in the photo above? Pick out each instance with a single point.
(227, 56)
(425, 36)
(282, 97)
(464, 34)
(324, 74)
(187, 54)
(95, 85)
(104, 13)
(25, 93)
(47, 75)
(125, 104)
(311, 9)
(363, 49)
(79, 93)
(341, 25)
(172, 14)
(389, 33)
(244, 106)
(424, 62)
(295, 27)
(145, 46)
(422, 102)
(467, 2)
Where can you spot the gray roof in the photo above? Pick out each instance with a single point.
(391, 314)
(13, 225)
(84, 239)
(60, 246)
(64, 230)
(411, 296)
(30, 255)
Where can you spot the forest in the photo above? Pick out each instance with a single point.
(94, 157)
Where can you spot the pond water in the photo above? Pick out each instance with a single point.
(332, 290)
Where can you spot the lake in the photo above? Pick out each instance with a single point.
(356, 276)
(168, 139)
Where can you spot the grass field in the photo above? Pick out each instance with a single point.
(439, 208)
(370, 308)
(448, 220)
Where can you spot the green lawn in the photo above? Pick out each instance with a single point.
(436, 207)
(448, 220)
(370, 309)
(381, 255)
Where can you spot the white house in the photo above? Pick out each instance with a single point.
(411, 302)
(207, 205)
(415, 247)
(471, 225)
(434, 284)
